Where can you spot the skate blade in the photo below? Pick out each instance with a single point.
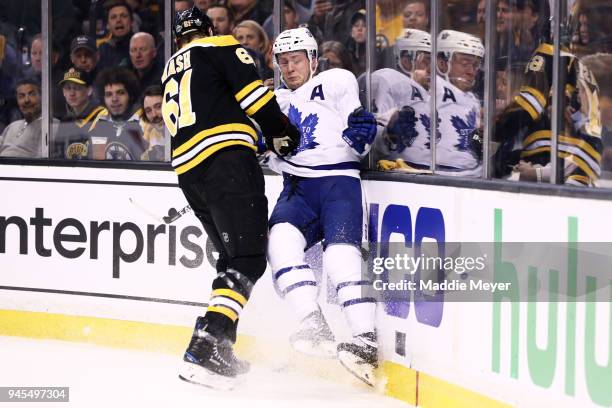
(326, 349)
(195, 374)
(363, 371)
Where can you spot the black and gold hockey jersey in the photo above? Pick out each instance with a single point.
(211, 87)
(580, 144)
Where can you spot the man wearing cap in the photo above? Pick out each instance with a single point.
(71, 139)
(84, 54)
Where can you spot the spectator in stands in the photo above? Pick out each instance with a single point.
(336, 55)
(480, 13)
(204, 5)
(116, 51)
(416, 15)
(147, 68)
(152, 124)
(8, 71)
(118, 123)
(531, 21)
(600, 64)
(182, 5)
(334, 19)
(389, 21)
(36, 56)
(143, 17)
(71, 139)
(222, 18)
(35, 69)
(249, 10)
(84, 54)
(356, 44)
(592, 28)
(290, 17)
(22, 138)
(252, 36)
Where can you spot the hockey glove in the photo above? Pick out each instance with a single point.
(361, 130)
(286, 142)
(403, 127)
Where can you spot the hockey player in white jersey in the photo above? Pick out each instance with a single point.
(321, 201)
(401, 101)
(459, 151)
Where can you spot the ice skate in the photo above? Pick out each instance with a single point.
(360, 356)
(210, 361)
(314, 337)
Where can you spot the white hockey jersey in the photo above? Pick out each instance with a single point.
(320, 109)
(458, 118)
(391, 91)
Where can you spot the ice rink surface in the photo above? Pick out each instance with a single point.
(116, 378)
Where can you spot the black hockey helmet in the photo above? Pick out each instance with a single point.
(190, 21)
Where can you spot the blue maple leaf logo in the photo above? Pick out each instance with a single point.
(426, 121)
(465, 129)
(306, 127)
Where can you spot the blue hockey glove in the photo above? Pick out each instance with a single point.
(404, 128)
(361, 130)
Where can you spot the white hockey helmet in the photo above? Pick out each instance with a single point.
(450, 42)
(411, 41)
(296, 39)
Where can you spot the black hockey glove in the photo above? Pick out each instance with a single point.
(286, 142)
(475, 142)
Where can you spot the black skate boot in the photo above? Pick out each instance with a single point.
(360, 356)
(314, 337)
(210, 360)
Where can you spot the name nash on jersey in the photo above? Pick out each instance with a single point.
(177, 64)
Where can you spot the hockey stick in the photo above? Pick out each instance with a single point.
(173, 214)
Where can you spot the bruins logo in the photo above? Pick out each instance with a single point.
(118, 151)
(76, 151)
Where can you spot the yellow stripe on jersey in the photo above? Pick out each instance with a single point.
(230, 294)
(580, 179)
(529, 153)
(247, 89)
(217, 41)
(540, 134)
(535, 93)
(527, 106)
(582, 145)
(260, 103)
(90, 116)
(581, 164)
(228, 128)
(208, 152)
(224, 311)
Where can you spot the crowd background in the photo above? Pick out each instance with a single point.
(106, 61)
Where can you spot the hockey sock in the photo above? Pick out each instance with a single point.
(291, 274)
(231, 291)
(342, 263)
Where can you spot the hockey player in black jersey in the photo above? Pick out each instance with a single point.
(524, 127)
(211, 90)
